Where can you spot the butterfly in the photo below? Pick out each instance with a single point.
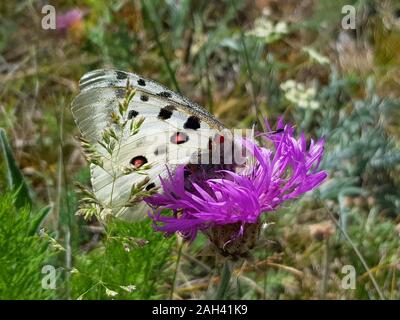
(175, 131)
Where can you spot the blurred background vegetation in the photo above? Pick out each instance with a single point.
(242, 60)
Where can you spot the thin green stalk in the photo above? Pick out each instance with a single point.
(224, 282)
(207, 70)
(178, 259)
(63, 216)
(358, 253)
(248, 66)
(325, 274)
(265, 280)
(114, 174)
(159, 43)
(103, 261)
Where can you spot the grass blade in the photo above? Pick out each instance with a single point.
(38, 219)
(14, 177)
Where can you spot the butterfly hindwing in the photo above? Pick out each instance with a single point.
(174, 130)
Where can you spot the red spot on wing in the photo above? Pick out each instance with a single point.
(179, 137)
(138, 161)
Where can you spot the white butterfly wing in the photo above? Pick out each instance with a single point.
(174, 131)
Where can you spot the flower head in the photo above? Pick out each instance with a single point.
(234, 198)
(267, 30)
(301, 96)
(69, 18)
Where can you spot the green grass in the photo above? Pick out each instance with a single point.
(23, 253)
(132, 255)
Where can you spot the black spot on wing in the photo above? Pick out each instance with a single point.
(121, 75)
(165, 94)
(144, 98)
(192, 122)
(132, 114)
(166, 112)
(150, 186)
(160, 150)
(141, 82)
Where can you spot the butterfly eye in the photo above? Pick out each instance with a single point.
(138, 161)
(179, 137)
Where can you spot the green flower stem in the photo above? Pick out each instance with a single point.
(178, 259)
(224, 282)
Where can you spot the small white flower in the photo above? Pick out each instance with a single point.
(303, 95)
(128, 288)
(298, 94)
(289, 84)
(311, 92)
(300, 87)
(302, 103)
(111, 293)
(315, 56)
(265, 28)
(281, 27)
(74, 271)
(314, 105)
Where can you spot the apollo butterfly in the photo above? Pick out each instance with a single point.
(174, 131)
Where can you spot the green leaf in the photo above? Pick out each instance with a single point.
(38, 218)
(14, 177)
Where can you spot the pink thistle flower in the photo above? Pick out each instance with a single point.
(228, 206)
(69, 18)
